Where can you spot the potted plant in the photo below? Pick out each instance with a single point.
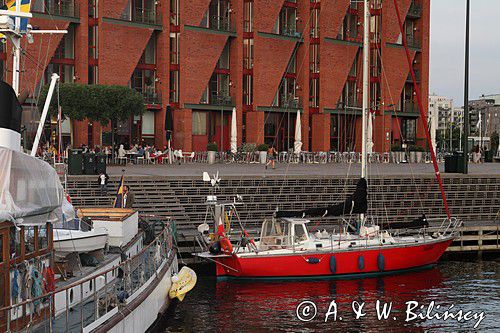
(416, 153)
(262, 148)
(248, 147)
(212, 150)
(396, 153)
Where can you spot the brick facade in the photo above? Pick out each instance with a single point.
(305, 55)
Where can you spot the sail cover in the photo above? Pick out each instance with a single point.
(356, 203)
(30, 190)
(418, 223)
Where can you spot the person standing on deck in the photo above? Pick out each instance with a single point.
(128, 198)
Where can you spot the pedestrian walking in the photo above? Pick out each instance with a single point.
(271, 157)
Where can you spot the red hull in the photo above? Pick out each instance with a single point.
(345, 263)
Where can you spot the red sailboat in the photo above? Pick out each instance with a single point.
(286, 248)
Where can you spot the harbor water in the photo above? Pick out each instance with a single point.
(467, 290)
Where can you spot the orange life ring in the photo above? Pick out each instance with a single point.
(226, 245)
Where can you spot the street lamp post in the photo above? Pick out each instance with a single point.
(465, 137)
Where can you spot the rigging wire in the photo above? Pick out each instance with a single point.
(422, 114)
(396, 112)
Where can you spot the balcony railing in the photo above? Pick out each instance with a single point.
(409, 107)
(142, 15)
(417, 76)
(221, 98)
(413, 41)
(290, 30)
(290, 102)
(151, 97)
(221, 24)
(415, 11)
(66, 8)
(349, 35)
(350, 104)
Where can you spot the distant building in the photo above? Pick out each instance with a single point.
(457, 117)
(441, 111)
(493, 98)
(489, 108)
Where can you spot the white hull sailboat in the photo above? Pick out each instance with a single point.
(128, 288)
(68, 241)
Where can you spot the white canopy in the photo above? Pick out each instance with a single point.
(297, 145)
(30, 190)
(234, 133)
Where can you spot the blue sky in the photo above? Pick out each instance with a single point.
(447, 48)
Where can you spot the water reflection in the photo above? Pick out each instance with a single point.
(230, 306)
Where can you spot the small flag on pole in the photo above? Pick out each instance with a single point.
(24, 8)
(119, 194)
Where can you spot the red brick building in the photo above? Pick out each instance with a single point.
(269, 59)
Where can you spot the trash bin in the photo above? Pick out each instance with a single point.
(488, 156)
(89, 164)
(459, 161)
(450, 164)
(75, 162)
(100, 164)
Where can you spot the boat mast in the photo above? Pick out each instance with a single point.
(43, 117)
(15, 34)
(365, 109)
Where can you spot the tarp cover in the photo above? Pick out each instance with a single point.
(30, 190)
(417, 223)
(356, 203)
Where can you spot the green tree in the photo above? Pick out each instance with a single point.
(100, 103)
(95, 102)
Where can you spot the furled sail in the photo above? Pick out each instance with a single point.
(418, 223)
(11, 110)
(356, 203)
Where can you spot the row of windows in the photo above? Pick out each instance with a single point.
(34, 239)
(286, 21)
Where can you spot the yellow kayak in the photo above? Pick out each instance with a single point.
(182, 282)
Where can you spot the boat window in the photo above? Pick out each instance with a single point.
(71, 296)
(29, 239)
(275, 234)
(1, 251)
(276, 228)
(42, 237)
(15, 242)
(90, 285)
(300, 234)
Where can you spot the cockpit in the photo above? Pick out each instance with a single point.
(283, 233)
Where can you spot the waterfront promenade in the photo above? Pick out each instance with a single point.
(291, 169)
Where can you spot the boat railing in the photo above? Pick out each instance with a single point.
(97, 297)
(439, 227)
